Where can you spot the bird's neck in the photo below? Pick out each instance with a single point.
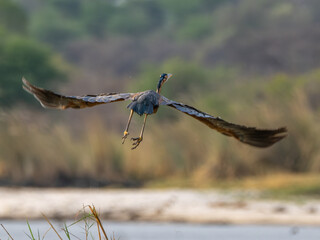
(159, 87)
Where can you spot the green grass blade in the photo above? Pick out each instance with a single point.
(66, 231)
(30, 230)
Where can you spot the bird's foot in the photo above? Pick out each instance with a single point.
(125, 135)
(136, 142)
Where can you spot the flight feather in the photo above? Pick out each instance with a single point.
(249, 135)
(49, 99)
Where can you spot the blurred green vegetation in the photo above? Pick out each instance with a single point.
(12, 17)
(22, 56)
(41, 151)
(249, 62)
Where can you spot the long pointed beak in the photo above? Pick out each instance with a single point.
(169, 76)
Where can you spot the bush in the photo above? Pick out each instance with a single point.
(24, 57)
(12, 17)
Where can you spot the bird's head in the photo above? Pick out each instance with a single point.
(163, 78)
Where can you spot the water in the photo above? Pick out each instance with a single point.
(168, 231)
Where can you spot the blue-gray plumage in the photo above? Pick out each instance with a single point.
(147, 103)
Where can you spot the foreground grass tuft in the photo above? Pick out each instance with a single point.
(89, 219)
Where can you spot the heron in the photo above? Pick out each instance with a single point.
(147, 103)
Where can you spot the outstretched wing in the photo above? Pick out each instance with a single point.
(49, 99)
(248, 135)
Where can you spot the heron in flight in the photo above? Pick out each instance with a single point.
(147, 103)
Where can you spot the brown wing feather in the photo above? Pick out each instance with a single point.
(49, 99)
(248, 135)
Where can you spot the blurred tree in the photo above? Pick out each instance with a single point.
(185, 75)
(196, 27)
(179, 11)
(48, 25)
(12, 17)
(22, 57)
(69, 8)
(96, 15)
(136, 18)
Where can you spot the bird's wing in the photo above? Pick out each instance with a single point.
(248, 135)
(49, 99)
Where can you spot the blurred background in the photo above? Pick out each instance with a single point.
(250, 62)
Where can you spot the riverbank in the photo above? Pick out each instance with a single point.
(174, 205)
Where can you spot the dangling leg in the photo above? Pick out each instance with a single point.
(126, 133)
(138, 140)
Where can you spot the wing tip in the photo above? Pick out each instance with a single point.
(45, 97)
(281, 132)
(26, 85)
(265, 138)
(24, 80)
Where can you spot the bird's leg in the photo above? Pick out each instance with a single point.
(126, 133)
(138, 140)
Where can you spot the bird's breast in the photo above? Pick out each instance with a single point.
(145, 103)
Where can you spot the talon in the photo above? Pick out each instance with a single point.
(125, 135)
(136, 142)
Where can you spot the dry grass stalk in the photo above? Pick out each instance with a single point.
(52, 226)
(99, 224)
(94, 216)
(7, 232)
